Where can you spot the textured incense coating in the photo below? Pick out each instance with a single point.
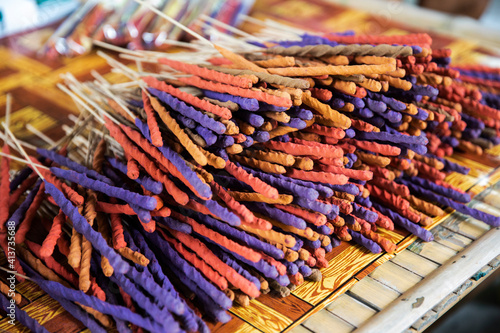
(207, 74)
(4, 187)
(25, 225)
(304, 163)
(239, 209)
(82, 226)
(145, 202)
(271, 156)
(133, 256)
(132, 167)
(232, 233)
(72, 195)
(322, 177)
(179, 133)
(211, 207)
(221, 240)
(284, 199)
(188, 98)
(84, 278)
(250, 104)
(276, 62)
(75, 250)
(448, 192)
(477, 214)
(405, 223)
(374, 60)
(16, 194)
(425, 207)
(179, 168)
(64, 161)
(277, 214)
(257, 184)
(156, 138)
(247, 93)
(177, 261)
(418, 41)
(315, 218)
(269, 78)
(55, 232)
(60, 292)
(149, 184)
(225, 270)
(233, 107)
(369, 244)
(384, 149)
(261, 165)
(188, 111)
(20, 212)
(237, 60)
(318, 51)
(303, 147)
(213, 160)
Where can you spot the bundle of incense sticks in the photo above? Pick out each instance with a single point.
(201, 186)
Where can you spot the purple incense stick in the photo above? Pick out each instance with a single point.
(179, 163)
(224, 141)
(19, 213)
(22, 316)
(19, 178)
(295, 123)
(291, 268)
(305, 270)
(142, 201)
(184, 121)
(364, 213)
(252, 118)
